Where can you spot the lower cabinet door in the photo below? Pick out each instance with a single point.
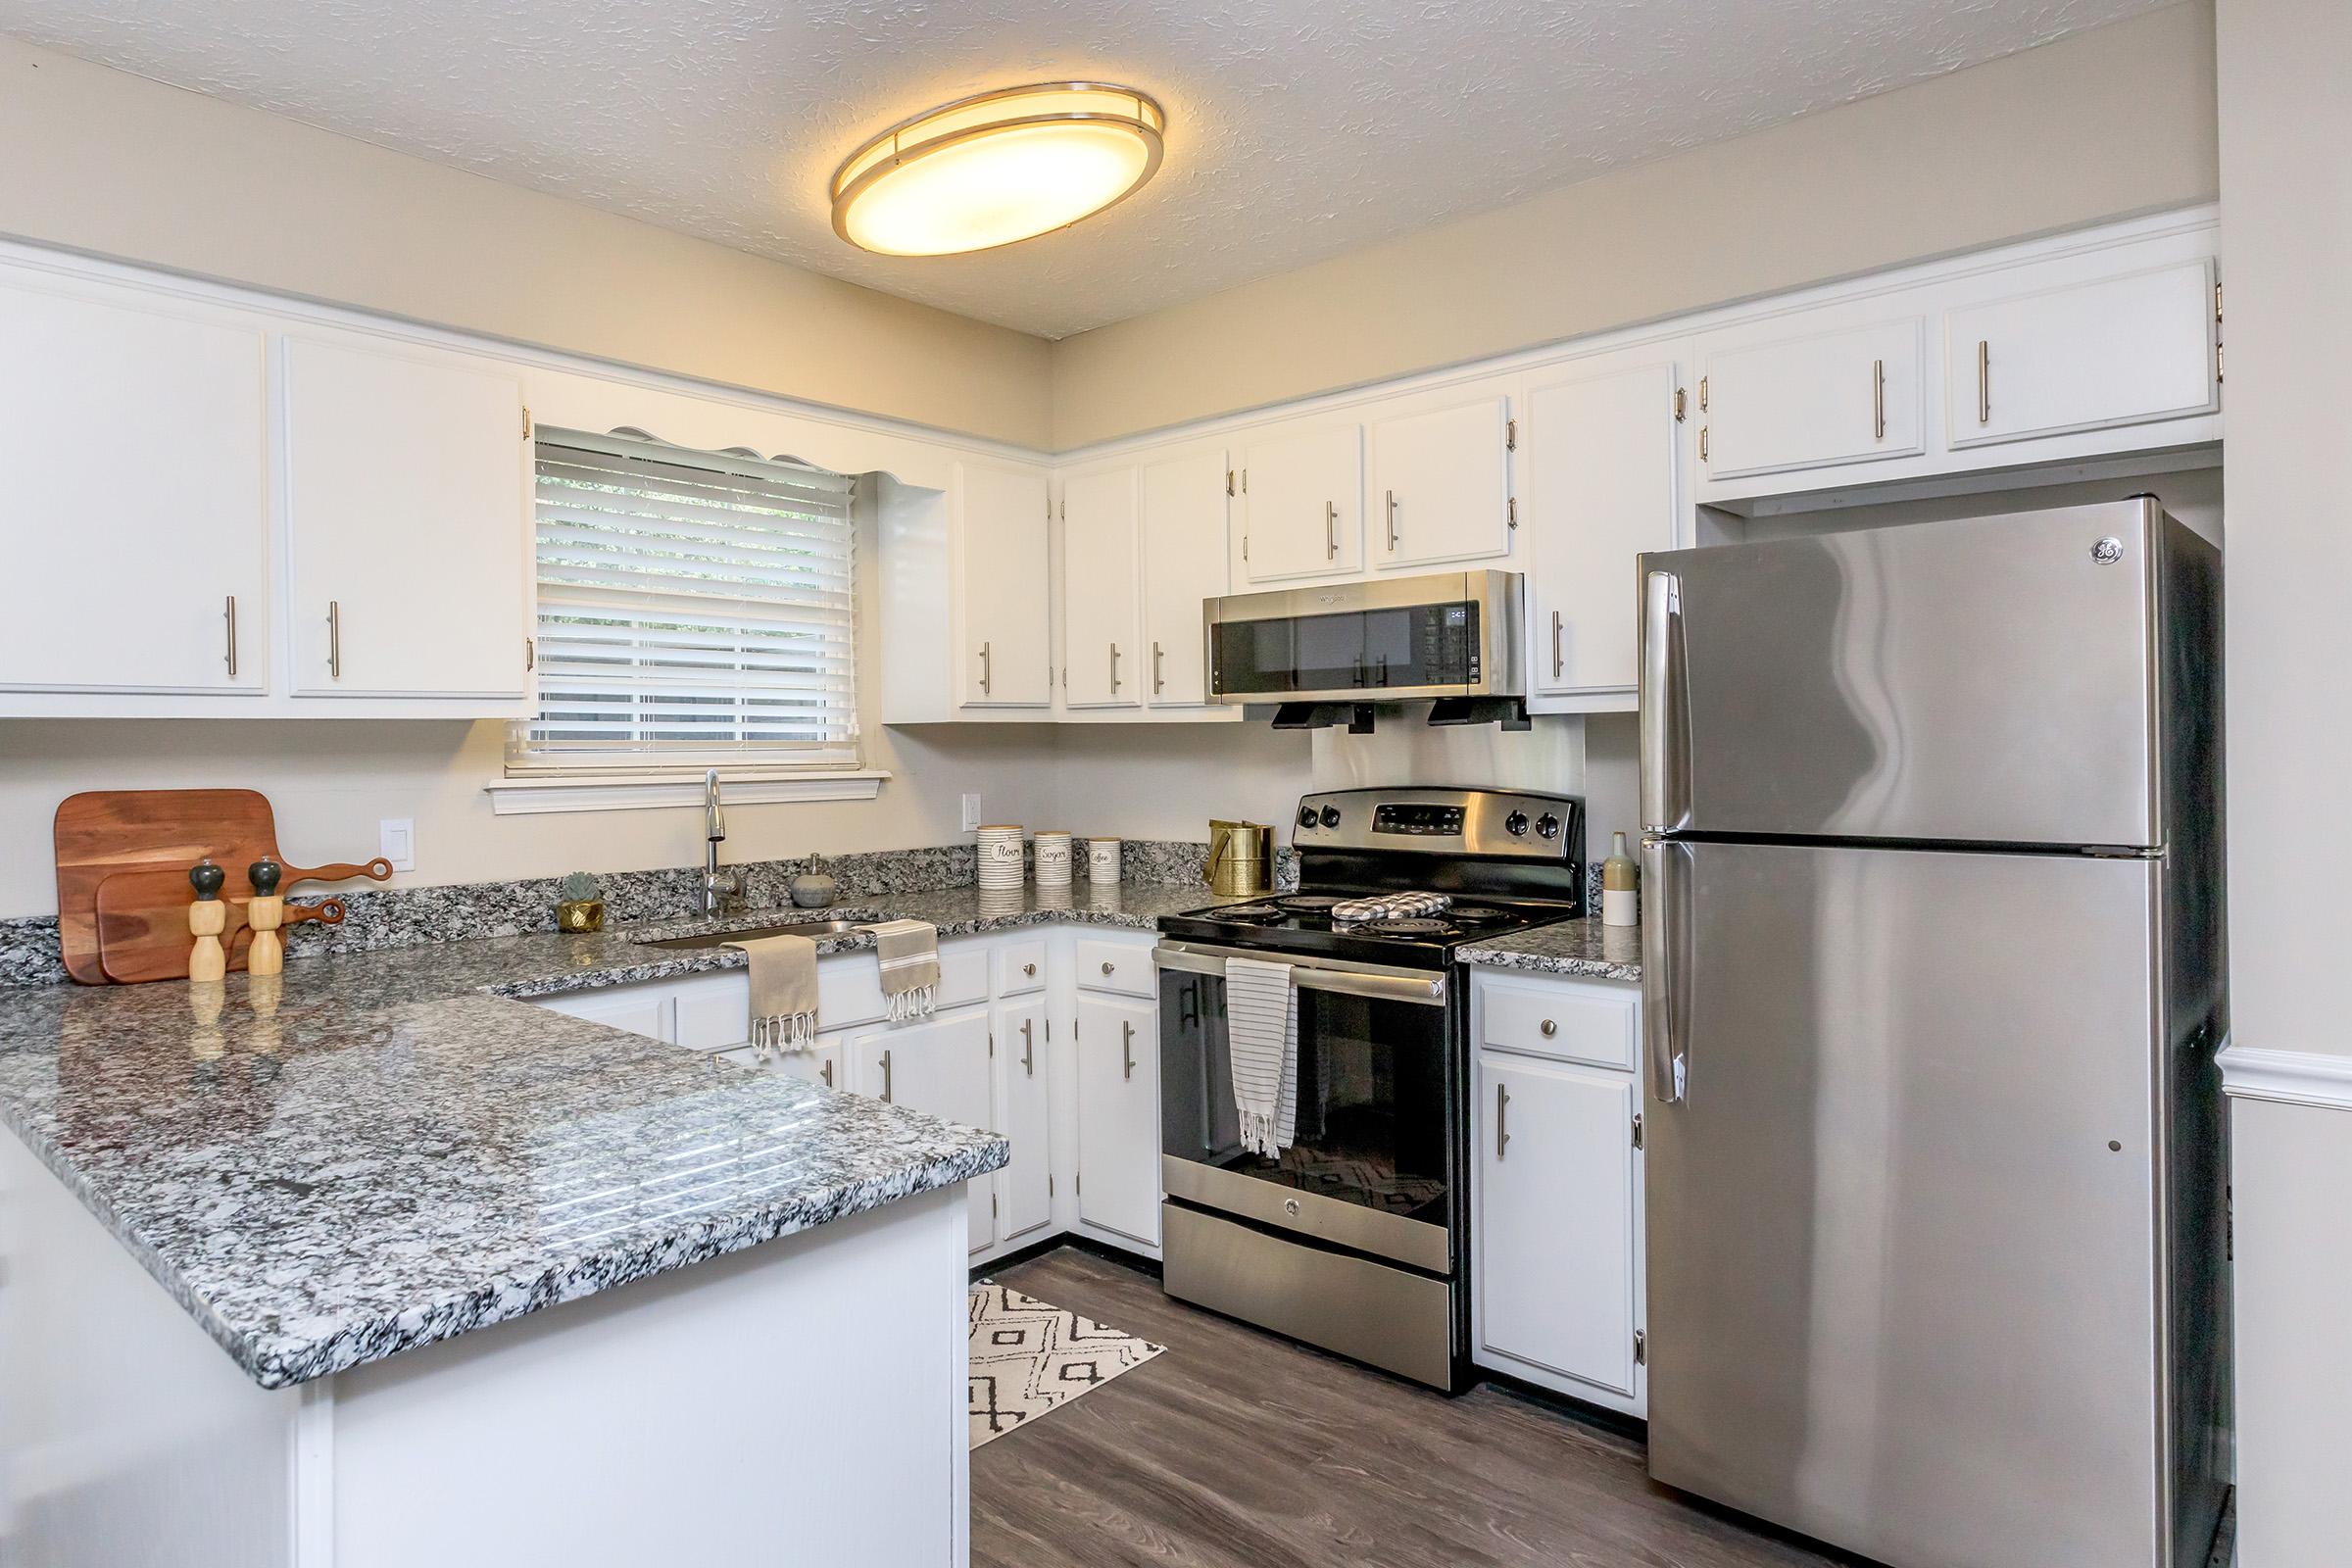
(819, 1066)
(1118, 1117)
(1027, 1183)
(1554, 1238)
(939, 1067)
(640, 1010)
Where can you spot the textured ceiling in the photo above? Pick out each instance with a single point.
(1298, 128)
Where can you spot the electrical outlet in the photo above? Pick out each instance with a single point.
(396, 841)
(971, 814)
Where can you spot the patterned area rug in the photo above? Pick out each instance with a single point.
(1029, 1359)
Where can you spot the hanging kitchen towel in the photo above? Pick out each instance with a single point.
(783, 972)
(1261, 1018)
(908, 951)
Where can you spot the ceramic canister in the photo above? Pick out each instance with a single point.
(1053, 852)
(1000, 856)
(1102, 861)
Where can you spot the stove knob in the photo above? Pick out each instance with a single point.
(1307, 816)
(1515, 825)
(1548, 827)
(1330, 817)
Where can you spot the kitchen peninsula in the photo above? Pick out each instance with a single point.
(494, 1284)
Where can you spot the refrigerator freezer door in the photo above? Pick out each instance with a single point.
(1992, 681)
(1902, 1223)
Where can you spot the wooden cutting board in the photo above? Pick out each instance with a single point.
(143, 923)
(101, 833)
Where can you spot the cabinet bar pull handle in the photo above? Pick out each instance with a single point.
(828, 1069)
(1028, 1042)
(985, 670)
(1558, 663)
(1391, 523)
(1503, 1119)
(1127, 1046)
(1878, 398)
(1331, 528)
(334, 639)
(230, 616)
(1114, 669)
(1983, 381)
(886, 1077)
(530, 654)
(1159, 682)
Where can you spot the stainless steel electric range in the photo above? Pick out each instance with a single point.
(1353, 1238)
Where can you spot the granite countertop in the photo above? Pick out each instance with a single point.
(379, 1151)
(1584, 948)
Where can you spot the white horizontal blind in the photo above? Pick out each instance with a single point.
(694, 609)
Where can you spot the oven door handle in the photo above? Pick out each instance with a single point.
(1427, 991)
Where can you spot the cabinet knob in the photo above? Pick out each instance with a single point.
(1029, 969)
(1109, 969)
(1550, 1028)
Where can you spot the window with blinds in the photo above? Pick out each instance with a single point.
(695, 609)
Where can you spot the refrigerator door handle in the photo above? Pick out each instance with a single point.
(1663, 927)
(1665, 794)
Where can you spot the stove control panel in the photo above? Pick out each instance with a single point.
(1444, 822)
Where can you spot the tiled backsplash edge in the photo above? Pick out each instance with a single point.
(398, 917)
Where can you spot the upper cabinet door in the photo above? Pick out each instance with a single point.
(1004, 560)
(1303, 491)
(2115, 351)
(1099, 552)
(1823, 389)
(135, 443)
(408, 501)
(1601, 487)
(1185, 565)
(1442, 482)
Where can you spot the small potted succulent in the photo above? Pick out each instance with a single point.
(581, 907)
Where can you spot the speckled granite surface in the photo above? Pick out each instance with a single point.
(380, 918)
(1584, 948)
(382, 1150)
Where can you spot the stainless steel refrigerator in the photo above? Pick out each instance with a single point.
(1934, 979)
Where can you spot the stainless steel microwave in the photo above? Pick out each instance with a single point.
(1453, 634)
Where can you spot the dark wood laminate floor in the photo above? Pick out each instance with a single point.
(1237, 1450)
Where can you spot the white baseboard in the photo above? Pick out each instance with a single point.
(2292, 1077)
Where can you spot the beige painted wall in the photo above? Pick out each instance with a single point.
(2099, 125)
(110, 163)
(2287, 231)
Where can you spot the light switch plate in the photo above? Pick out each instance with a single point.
(396, 841)
(971, 814)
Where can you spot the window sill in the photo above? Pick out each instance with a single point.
(528, 796)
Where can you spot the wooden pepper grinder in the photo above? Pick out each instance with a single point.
(265, 914)
(208, 917)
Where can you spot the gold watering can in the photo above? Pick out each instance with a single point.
(1241, 859)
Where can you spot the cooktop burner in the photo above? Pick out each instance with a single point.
(1302, 902)
(1417, 926)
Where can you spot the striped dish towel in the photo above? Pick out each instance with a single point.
(1392, 906)
(908, 951)
(1261, 1018)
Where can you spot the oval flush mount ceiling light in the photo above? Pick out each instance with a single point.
(998, 168)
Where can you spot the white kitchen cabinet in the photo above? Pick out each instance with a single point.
(408, 484)
(2083, 355)
(1118, 1115)
(1099, 551)
(1603, 449)
(1555, 1285)
(1003, 559)
(1185, 564)
(1441, 487)
(1025, 1059)
(819, 1065)
(942, 1068)
(647, 1011)
(135, 440)
(1819, 389)
(1302, 501)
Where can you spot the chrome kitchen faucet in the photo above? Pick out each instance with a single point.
(718, 895)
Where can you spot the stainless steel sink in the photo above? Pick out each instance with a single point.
(795, 928)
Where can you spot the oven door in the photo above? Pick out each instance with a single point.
(1373, 1167)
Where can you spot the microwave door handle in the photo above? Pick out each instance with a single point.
(1665, 931)
(1665, 792)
